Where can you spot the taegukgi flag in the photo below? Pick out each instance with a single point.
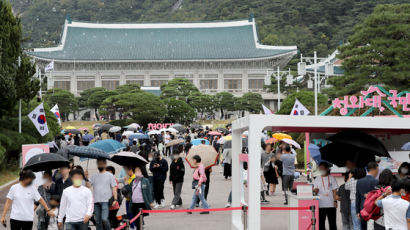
(56, 112)
(299, 109)
(49, 67)
(38, 117)
(266, 110)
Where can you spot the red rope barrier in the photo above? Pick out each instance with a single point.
(284, 208)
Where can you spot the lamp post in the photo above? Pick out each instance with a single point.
(278, 76)
(317, 79)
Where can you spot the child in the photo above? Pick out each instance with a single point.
(271, 176)
(54, 203)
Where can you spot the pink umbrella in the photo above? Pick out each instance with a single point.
(83, 129)
(271, 140)
(291, 142)
(215, 133)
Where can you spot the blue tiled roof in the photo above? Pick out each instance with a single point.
(191, 41)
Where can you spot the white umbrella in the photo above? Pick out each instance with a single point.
(153, 132)
(133, 125)
(291, 142)
(115, 129)
(127, 133)
(163, 130)
(172, 130)
(128, 159)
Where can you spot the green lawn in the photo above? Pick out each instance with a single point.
(10, 174)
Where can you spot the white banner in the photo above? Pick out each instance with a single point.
(56, 112)
(49, 67)
(299, 109)
(38, 117)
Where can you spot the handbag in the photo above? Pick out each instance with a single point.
(194, 184)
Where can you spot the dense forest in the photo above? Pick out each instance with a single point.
(310, 24)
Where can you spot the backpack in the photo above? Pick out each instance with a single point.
(370, 209)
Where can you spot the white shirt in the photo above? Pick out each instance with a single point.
(75, 204)
(166, 138)
(395, 212)
(326, 185)
(52, 223)
(23, 199)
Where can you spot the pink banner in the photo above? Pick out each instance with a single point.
(158, 126)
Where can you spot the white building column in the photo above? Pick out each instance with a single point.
(220, 81)
(98, 79)
(73, 83)
(245, 81)
(147, 81)
(196, 79)
(122, 78)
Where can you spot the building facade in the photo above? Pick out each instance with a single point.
(214, 56)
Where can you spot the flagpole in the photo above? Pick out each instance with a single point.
(278, 88)
(19, 64)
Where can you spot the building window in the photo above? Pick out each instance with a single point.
(83, 85)
(157, 83)
(256, 83)
(110, 85)
(233, 84)
(209, 84)
(65, 85)
(138, 82)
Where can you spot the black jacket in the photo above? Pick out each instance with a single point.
(160, 173)
(177, 171)
(363, 186)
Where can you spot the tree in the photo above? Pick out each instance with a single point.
(143, 107)
(202, 103)
(307, 98)
(16, 80)
(225, 101)
(178, 88)
(179, 111)
(128, 88)
(66, 101)
(377, 52)
(251, 102)
(96, 98)
(85, 95)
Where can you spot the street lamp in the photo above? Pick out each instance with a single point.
(316, 78)
(278, 76)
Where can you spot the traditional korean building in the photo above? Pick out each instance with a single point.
(215, 56)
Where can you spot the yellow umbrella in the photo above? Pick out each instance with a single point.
(280, 136)
(227, 138)
(70, 127)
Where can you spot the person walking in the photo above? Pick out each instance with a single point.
(227, 161)
(343, 196)
(113, 210)
(354, 175)
(271, 176)
(104, 187)
(363, 186)
(326, 186)
(46, 191)
(176, 178)
(288, 165)
(159, 169)
(21, 198)
(76, 204)
(198, 184)
(64, 181)
(140, 195)
(396, 210)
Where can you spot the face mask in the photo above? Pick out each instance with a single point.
(150, 158)
(101, 169)
(404, 171)
(323, 172)
(176, 156)
(77, 182)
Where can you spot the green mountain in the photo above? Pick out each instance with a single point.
(310, 24)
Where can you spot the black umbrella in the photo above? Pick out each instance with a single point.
(222, 130)
(363, 141)
(230, 124)
(128, 159)
(196, 126)
(45, 161)
(106, 127)
(338, 153)
(72, 131)
(180, 128)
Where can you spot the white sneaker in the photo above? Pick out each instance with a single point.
(156, 206)
(177, 206)
(227, 205)
(172, 206)
(162, 203)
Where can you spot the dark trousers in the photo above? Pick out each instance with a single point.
(76, 226)
(363, 224)
(167, 151)
(20, 225)
(135, 210)
(287, 184)
(158, 190)
(177, 187)
(330, 213)
(112, 217)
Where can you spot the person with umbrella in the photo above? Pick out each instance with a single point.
(176, 178)
(21, 198)
(76, 204)
(104, 187)
(198, 184)
(46, 190)
(159, 169)
(326, 187)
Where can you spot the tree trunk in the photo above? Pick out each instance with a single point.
(96, 114)
(222, 113)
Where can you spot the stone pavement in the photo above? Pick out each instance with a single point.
(217, 198)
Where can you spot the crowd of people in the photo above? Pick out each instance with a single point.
(71, 198)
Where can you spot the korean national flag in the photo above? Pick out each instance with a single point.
(49, 67)
(299, 109)
(56, 112)
(38, 117)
